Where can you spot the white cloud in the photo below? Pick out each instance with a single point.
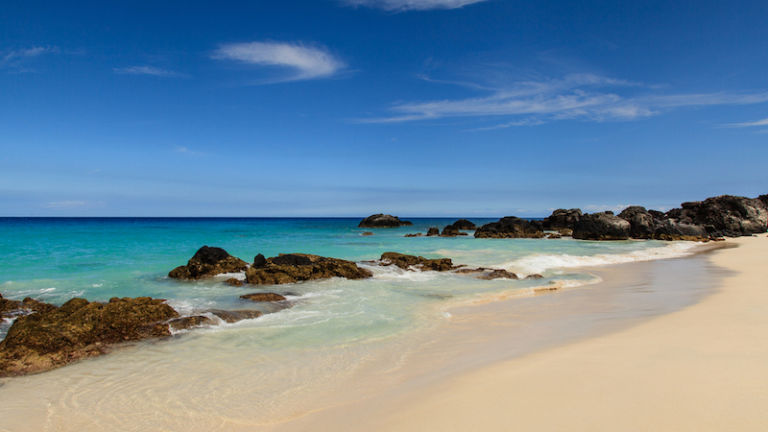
(15, 59)
(757, 123)
(66, 204)
(405, 5)
(306, 62)
(146, 70)
(577, 96)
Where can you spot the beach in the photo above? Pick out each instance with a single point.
(699, 368)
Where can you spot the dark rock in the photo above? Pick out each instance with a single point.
(433, 231)
(414, 235)
(472, 270)
(235, 315)
(601, 226)
(259, 261)
(366, 233)
(726, 215)
(498, 274)
(208, 261)
(464, 224)
(511, 227)
(534, 276)
(9, 308)
(408, 262)
(562, 218)
(451, 231)
(263, 297)
(554, 236)
(382, 221)
(641, 221)
(234, 282)
(185, 323)
(54, 337)
(671, 229)
(289, 268)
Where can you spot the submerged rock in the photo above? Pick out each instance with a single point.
(414, 235)
(498, 274)
(451, 231)
(263, 297)
(208, 261)
(511, 227)
(289, 268)
(233, 316)
(366, 233)
(601, 226)
(188, 322)
(54, 337)
(433, 231)
(382, 221)
(234, 282)
(410, 262)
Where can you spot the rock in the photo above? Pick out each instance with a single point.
(642, 224)
(726, 215)
(208, 261)
(54, 337)
(382, 221)
(289, 268)
(9, 308)
(472, 270)
(562, 218)
(671, 229)
(414, 235)
(565, 232)
(601, 226)
(433, 231)
(554, 236)
(185, 323)
(234, 282)
(498, 274)
(464, 224)
(511, 227)
(263, 297)
(235, 315)
(366, 233)
(451, 231)
(259, 261)
(409, 262)
(534, 276)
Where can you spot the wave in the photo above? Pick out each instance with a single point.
(540, 263)
(395, 273)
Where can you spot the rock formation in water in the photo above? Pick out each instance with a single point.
(263, 297)
(464, 224)
(562, 219)
(297, 267)
(433, 231)
(511, 227)
(411, 262)
(601, 226)
(208, 261)
(382, 221)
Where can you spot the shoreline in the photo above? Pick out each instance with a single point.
(701, 367)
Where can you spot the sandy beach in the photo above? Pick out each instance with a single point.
(699, 368)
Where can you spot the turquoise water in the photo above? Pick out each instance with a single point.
(57, 259)
(252, 373)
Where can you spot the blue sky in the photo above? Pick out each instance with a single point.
(351, 107)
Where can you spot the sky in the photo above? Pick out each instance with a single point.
(353, 107)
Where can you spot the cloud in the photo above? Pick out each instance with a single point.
(577, 96)
(406, 5)
(306, 62)
(66, 204)
(16, 59)
(757, 123)
(146, 70)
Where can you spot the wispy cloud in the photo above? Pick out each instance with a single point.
(577, 96)
(406, 5)
(147, 70)
(66, 204)
(757, 123)
(16, 59)
(305, 61)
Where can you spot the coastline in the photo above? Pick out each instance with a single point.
(699, 368)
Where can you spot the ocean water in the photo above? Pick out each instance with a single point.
(247, 373)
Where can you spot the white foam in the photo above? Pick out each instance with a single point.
(392, 273)
(539, 263)
(237, 275)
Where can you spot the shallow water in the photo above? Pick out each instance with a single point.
(255, 372)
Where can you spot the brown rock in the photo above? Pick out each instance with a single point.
(366, 233)
(407, 262)
(184, 323)
(498, 274)
(234, 282)
(235, 315)
(413, 235)
(382, 221)
(263, 297)
(433, 231)
(554, 236)
(534, 276)
(208, 261)
(511, 227)
(289, 268)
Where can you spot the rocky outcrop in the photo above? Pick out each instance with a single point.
(726, 215)
(208, 261)
(498, 274)
(511, 227)
(79, 329)
(234, 282)
(601, 226)
(433, 231)
(263, 297)
(642, 224)
(382, 221)
(410, 262)
(9, 308)
(297, 267)
(451, 231)
(562, 219)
